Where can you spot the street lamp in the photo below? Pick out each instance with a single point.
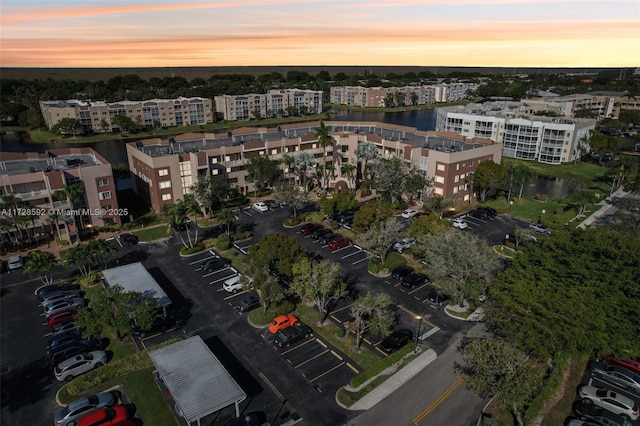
(419, 318)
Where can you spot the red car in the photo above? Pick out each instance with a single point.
(629, 364)
(308, 228)
(339, 242)
(60, 317)
(281, 322)
(105, 417)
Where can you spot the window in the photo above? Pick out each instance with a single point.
(439, 179)
(441, 167)
(163, 172)
(470, 163)
(103, 182)
(165, 184)
(166, 197)
(106, 195)
(457, 178)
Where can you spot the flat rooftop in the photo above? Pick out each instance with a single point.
(59, 162)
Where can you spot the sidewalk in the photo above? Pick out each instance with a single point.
(603, 209)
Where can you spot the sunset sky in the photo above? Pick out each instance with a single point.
(141, 33)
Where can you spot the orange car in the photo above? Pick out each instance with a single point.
(281, 322)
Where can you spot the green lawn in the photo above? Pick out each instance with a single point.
(561, 410)
(151, 234)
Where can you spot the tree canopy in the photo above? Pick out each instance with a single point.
(277, 250)
(488, 176)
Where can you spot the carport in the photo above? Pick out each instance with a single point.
(135, 277)
(198, 382)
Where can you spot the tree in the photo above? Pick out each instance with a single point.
(340, 202)
(437, 204)
(289, 161)
(521, 174)
(95, 252)
(414, 98)
(225, 218)
(370, 214)
(488, 177)
(373, 312)
(365, 152)
(210, 192)
(177, 215)
(323, 134)
(319, 283)
(583, 198)
(492, 366)
(123, 122)
(290, 194)
(268, 289)
(278, 250)
(423, 226)
(379, 238)
(67, 126)
(304, 161)
(348, 170)
(459, 263)
(40, 263)
(621, 169)
(262, 171)
(73, 193)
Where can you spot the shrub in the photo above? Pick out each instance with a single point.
(200, 245)
(393, 261)
(210, 242)
(374, 267)
(223, 244)
(293, 221)
(61, 242)
(190, 250)
(284, 307)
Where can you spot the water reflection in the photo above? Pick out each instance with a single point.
(552, 186)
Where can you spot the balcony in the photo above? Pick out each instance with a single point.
(33, 195)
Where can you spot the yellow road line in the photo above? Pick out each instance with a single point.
(343, 308)
(438, 401)
(414, 315)
(355, 370)
(296, 347)
(336, 355)
(327, 372)
(278, 394)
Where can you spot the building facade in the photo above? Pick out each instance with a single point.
(521, 135)
(601, 104)
(408, 95)
(277, 102)
(37, 182)
(165, 169)
(97, 117)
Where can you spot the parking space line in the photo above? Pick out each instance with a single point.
(343, 308)
(358, 261)
(311, 359)
(381, 351)
(418, 288)
(223, 278)
(327, 372)
(278, 394)
(352, 254)
(296, 347)
(324, 345)
(201, 260)
(336, 355)
(215, 272)
(342, 248)
(355, 370)
(238, 293)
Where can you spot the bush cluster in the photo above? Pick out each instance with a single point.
(190, 250)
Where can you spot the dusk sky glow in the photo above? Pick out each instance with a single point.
(141, 33)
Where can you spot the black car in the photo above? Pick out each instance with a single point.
(248, 303)
(42, 292)
(599, 415)
(320, 232)
(479, 214)
(324, 239)
(63, 338)
(216, 264)
(128, 239)
(401, 272)
(73, 348)
(396, 340)
(289, 335)
(413, 279)
(490, 211)
(437, 298)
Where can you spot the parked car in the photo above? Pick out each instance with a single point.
(610, 400)
(479, 214)
(459, 223)
(409, 213)
(50, 298)
(538, 227)
(344, 216)
(60, 317)
(64, 305)
(43, 291)
(490, 211)
(437, 298)
(287, 336)
(248, 303)
(320, 232)
(216, 264)
(629, 364)
(403, 244)
(339, 242)
(106, 417)
(79, 364)
(281, 322)
(579, 422)
(128, 239)
(309, 228)
(261, 207)
(324, 239)
(68, 415)
(272, 204)
(616, 376)
(63, 327)
(598, 415)
(63, 338)
(396, 340)
(413, 279)
(234, 284)
(401, 271)
(14, 262)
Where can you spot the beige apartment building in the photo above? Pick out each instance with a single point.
(605, 105)
(96, 116)
(33, 178)
(165, 169)
(275, 103)
(410, 95)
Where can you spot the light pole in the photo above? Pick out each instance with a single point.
(419, 318)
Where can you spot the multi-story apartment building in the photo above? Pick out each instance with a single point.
(165, 169)
(409, 95)
(37, 181)
(521, 135)
(277, 102)
(97, 116)
(603, 104)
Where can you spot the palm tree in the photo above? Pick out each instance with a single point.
(40, 262)
(304, 160)
(72, 193)
(324, 139)
(226, 218)
(54, 217)
(12, 202)
(348, 170)
(289, 161)
(365, 151)
(522, 175)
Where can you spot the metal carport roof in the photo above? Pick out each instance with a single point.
(135, 277)
(198, 382)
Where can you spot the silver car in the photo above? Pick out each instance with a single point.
(63, 295)
(616, 376)
(609, 400)
(69, 415)
(79, 364)
(64, 305)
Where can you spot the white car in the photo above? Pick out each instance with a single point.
(609, 400)
(234, 284)
(79, 364)
(459, 223)
(261, 207)
(403, 244)
(409, 213)
(15, 262)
